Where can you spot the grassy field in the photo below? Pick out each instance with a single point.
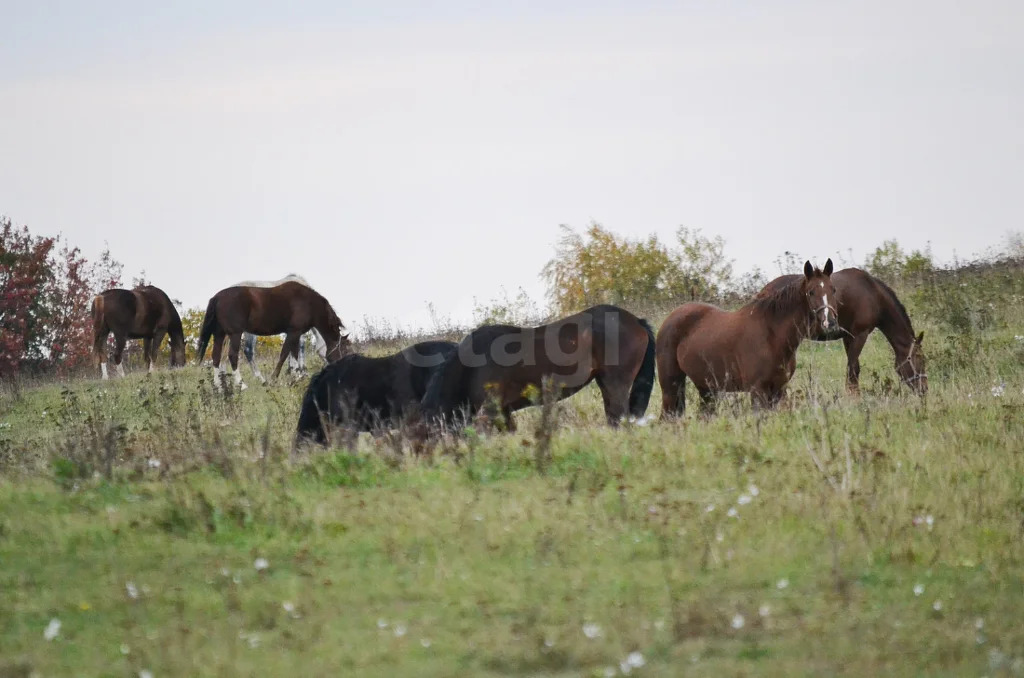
(167, 530)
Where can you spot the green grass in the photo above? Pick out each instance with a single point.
(473, 563)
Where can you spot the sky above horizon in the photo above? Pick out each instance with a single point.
(399, 155)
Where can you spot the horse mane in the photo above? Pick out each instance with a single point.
(896, 301)
(778, 302)
(291, 277)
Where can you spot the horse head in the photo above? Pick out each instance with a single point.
(912, 368)
(820, 296)
(177, 351)
(338, 344)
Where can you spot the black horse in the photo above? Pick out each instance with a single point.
(364, 394)
(509, 365)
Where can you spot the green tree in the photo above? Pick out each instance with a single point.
(598, 266)
(890, 262)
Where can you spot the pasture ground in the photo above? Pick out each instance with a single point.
(167, 530)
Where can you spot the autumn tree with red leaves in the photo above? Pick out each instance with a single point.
(45, 300)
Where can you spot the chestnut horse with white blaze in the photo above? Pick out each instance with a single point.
(290, 308)
(864, 303)
(752, 349)
(145, 313)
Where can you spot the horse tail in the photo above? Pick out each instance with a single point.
(314, 408)
(640, 393)
(209, 323)
(97, 313)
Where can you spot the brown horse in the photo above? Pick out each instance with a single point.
(143, 313)
(291, 308)
(752, 349)
(864, 303)
(510, 364)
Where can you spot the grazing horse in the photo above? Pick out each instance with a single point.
(752, 349)
(864, 303)
(366, 393)
(510, 364)
(145, 313)
(292, 308)
(295, 361)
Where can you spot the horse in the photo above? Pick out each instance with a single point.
(292, 308)
(296, 362)
(865, 303)
(365, 393)
(145, 313)
(752, 349)
(513, 364)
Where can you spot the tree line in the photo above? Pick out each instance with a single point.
(47, 286)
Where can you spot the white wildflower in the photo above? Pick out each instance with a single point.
(929, 520)
(52, 629)
(997, 391)
(764, 610)
(591, 630)
(937, 605)
(635, 660)
(709, 508)
(732, 512)
(425, 642)
(743, 500)
(153, 463)
(125, 649)
(131, 590)
(738, 621)
(625, 669)
(145, 673)
(753, 491)
(260, 564)
(918, 589)
(782, 583)
(979, 623)
(400, 630)
(382, 623)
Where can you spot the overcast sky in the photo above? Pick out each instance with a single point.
(404, 153)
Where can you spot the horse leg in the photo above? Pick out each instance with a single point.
(854, 345)
(673, 391)
(119, 342)
(510, 423)
(708, 401)
(249, 351)
(158, 338)
(218, 369)
(99, 345)
(147, 350)
(286, 349)
(233, 349)
(615, 393)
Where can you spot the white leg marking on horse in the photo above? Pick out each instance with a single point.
(120, 370)
(238, 380)
(216, 378)
(103, 370)
(151, 370)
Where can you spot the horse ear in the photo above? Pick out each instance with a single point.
(828, 267)
(920, 338)
(808, 270)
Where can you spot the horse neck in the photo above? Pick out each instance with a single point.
(896, 328)
(786, 329)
